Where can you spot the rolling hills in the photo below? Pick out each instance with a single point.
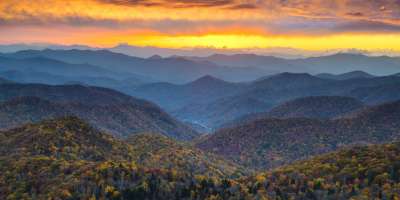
(106, 109)
(173, 69)
(320, 107)
(316, 107)
(240, 99)
(377, 94)
(56, 67)
(32, 76)
(201, 91)
(289, 135)
(272, 142)
(213, 115)
(158, 151)
(67, 138)
(366, 172)
(336, 63)
(346, 76)
(193, 89)
(67, 159)
(30, 67)
(70, 138)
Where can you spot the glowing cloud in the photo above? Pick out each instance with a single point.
(306, 24)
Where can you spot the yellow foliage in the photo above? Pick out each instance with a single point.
(260, 178)
(109, 189)
(65, 193)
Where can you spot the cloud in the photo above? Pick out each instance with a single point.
(355, 14)
(366, 26)
(291, 17)
(244, 6)
(171, 3)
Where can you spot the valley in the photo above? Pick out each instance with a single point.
(72, 126)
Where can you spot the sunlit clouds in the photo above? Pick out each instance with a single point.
(305, 24)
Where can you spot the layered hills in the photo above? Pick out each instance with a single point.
(315, 107)
(346, 76)
(174, 69)
(270, 142)
(364, 172)
(67, 159)
(68, 138)
(158, 151)
(106, 109)
(220, 103)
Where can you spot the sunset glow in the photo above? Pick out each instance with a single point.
(320, 25)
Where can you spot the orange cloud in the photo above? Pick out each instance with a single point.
(308, 24)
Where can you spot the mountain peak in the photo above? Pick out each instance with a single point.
(207, 79)
(292, 76)
(155, 57)
(345, 76)
(358, 72)
(289, 80)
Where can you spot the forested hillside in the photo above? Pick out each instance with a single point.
(368, 172)
(214, 102)
(106, 109)
(272, 142)
(157, 151)
(67, 159)
(315, 107)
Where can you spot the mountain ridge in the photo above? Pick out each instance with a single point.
(273, 142)
(317, 107)
(105, 108)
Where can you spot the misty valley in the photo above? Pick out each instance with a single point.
(96, 124)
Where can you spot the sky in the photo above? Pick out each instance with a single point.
(314, 25)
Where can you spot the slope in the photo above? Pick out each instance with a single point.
(273, 142)
(345, 76)
(106, 109)
(68, 159)
(317, 107)
(366, 172)
(157, 151)
(203, 90)
(66, 138)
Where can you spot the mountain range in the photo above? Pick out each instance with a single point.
(270, 142)
(236, 68)
(315, 107)
(172, 96)
(214, 102)
(106, 109)
(66, 158)
(173, 69)
(336, 63)
(345, 76)
(199, 90)
(94, 124)
(60, 149)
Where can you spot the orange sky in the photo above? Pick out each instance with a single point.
(303, 24)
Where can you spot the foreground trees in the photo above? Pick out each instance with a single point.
(90, 165)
